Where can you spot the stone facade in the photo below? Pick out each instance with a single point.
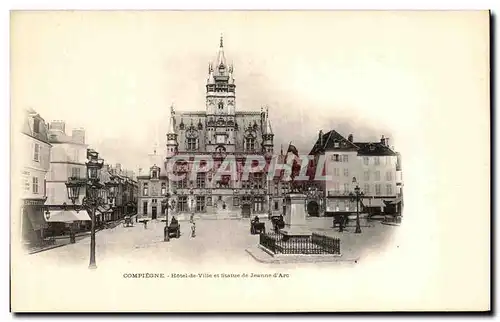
(218, 131)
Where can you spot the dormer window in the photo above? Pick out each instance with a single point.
(154, 174)
(336, 144)
(36, 126)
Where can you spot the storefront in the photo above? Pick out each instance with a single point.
(33, 221)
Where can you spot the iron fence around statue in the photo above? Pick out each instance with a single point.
(313, 245)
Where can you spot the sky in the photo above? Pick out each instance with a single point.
(116, 74)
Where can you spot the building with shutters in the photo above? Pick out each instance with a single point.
(374, 165)
(221, 129)
(36, 164)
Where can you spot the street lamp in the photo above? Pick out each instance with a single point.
(356, 196)
(164, 202)
(111, 185)
(93, 199)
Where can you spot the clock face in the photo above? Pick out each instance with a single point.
(250, 134)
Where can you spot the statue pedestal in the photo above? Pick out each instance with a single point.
(295, 218)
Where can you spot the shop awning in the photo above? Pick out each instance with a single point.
(68, 216)
(37, 220)
(373, 202)
(393, 201)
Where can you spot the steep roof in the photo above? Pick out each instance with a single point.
(374, 149)
(42, 134)
(328, 141)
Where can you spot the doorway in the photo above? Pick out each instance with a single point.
(153, 212)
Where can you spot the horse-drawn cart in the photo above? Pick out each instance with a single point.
(128, 222)
(174, 229)
(257, 227)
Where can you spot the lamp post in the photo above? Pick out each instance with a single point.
(356, 196)
(93, 199)
(166, 237)
(111, 186)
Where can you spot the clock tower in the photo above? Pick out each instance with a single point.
(220, 105)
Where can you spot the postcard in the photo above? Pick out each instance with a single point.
(250, 161)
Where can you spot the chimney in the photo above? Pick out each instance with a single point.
(350, 138)
(387, 142)
(382, 140)
(78, 135)
(320, 137)
(118, 167)
(58, 126)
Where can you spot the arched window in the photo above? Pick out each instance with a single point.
(221, 105)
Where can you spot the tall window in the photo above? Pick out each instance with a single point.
(200, 203)
(336, 172)
(36, 126)
(336, 158)
(191, 144)
(388, 175)
(144, 207)
(182, 184)
(35, 185)
(366, 160)
(145, 189)
(389, 189)
(36, 152)
(345, 158)
(257, 180)
(367, 188)
(336, 187)
(346, 172)
(236, 201)
(377, 160)
(276, 205)
(163, 188)
(182, 203)
(250, 143)
(367, 175)
(200, 180)
(377, 175)
(377, 189)
(346, 187)
(75, 172)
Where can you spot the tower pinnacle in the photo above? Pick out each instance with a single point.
(221, 41)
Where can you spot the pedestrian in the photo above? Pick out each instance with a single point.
(193, 230)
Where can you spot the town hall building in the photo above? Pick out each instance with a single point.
(220, 130)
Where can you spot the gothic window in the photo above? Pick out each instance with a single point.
(182, 204)
(221, 105)
(220, 121)
(250, 144)
(191, 144)
(200, 125)
(200, 180)
(181, 126)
